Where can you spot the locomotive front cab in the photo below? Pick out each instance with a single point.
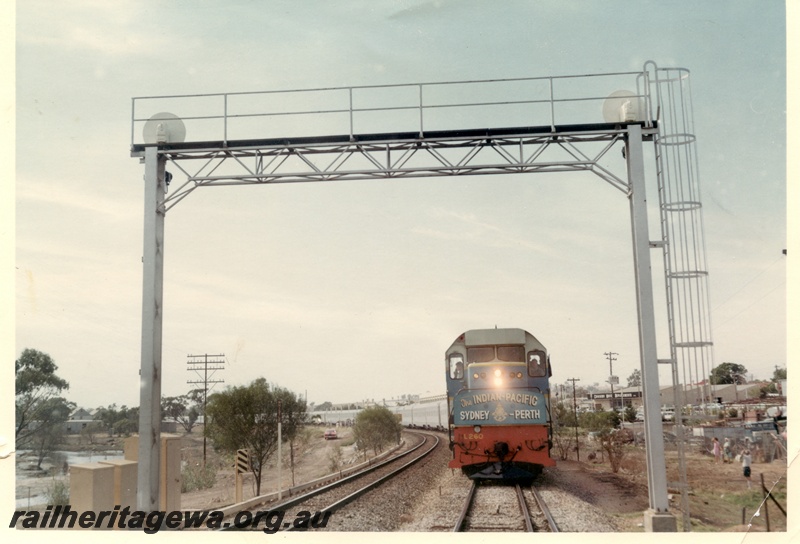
(498, 396)
(499, 367)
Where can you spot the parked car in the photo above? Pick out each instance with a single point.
(330, 434)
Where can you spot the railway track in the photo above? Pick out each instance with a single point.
(331, 497)
(504, 508)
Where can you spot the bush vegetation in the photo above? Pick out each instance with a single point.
(196, 476)
(375, 428)
(58, 493)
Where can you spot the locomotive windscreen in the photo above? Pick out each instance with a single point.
(486, 354)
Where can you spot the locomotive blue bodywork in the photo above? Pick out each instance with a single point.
(498, 393)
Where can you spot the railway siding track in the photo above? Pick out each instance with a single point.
(338, 493)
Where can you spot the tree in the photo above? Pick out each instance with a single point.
(599, 421)
(779, 374)
(376, 427)
(564, 415)
(635, 379)
(613, 441)
(769, 389)
(300, 442)
(39, 410)
(629, 414)
(50, 431)
(246, 417)
(728, 373)
(122, 420)
(564, 424)
(181, 410)
(90, 430)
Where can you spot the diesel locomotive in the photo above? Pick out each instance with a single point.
(498, 395)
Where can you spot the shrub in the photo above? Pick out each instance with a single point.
(196, 476)
(376, 427)
(57, 493)
(335, 459)
(613, 442)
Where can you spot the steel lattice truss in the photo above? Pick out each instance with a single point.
(509, 151)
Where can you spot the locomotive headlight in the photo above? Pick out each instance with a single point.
(498, 373)
(498, 382)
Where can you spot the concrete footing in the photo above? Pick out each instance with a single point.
(659, 522)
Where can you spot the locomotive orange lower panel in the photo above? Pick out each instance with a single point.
(498, 444)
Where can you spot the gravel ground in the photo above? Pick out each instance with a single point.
(574, 515)
(391, 506)
(436, 507)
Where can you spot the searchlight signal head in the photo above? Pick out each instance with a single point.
(164, 128)
(623, 107)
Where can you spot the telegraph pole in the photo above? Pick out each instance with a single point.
(575, 412)
(200, 362)
(610, 355)
(280, 461)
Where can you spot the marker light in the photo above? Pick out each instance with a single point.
(477, 428)
(519, 375)
(475, 376)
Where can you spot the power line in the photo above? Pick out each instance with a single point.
(610, 356)
(751, 280)
(197, 363)
(575, 413)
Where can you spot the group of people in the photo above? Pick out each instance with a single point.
(724, 453)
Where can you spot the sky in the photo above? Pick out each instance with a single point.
(354, 290)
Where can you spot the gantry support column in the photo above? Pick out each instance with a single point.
(152, 305)
(657, 518)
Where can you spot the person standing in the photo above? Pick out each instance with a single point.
(726, 450)
(746, 461)
(716, 450)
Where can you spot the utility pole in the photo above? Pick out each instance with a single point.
(280, 460)
(575, 412)
(610, 355)
(198, 363)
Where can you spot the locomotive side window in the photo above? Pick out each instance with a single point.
(483, 354)
(537, 366)
(456, 363)
(511, 354)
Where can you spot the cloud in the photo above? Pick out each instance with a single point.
(114, 29)
(465, 226)
(69, 194)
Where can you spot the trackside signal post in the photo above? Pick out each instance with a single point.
(152, 321)
(657, 518)
(541, 127)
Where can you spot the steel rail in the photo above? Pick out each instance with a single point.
(460, 524)
(545, 510)
(288, 503)
(523, 506)
(462, 518)
(369, 487)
